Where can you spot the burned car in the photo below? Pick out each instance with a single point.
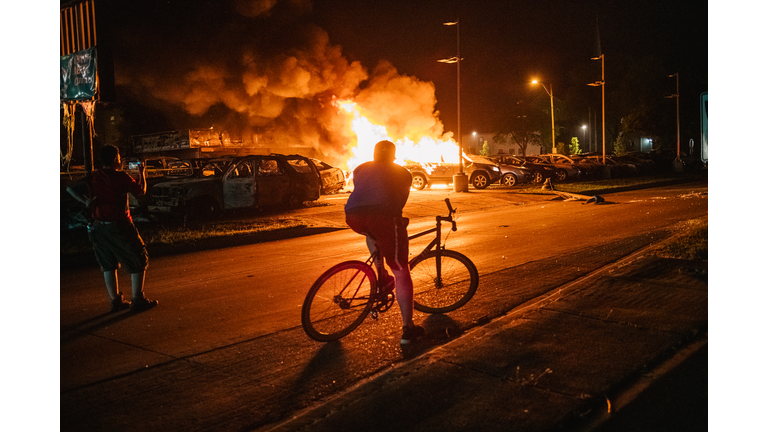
(244, 182)
(333, 178)
(157, 169)
(185, 167)
(481, 171)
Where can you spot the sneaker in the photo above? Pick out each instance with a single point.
(411, 334)
(142, 304)
(119, 304)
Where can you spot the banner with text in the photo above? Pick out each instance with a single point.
(78, 75)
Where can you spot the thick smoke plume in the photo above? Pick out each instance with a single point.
(272, 82)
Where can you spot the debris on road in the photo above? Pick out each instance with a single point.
(567, 196)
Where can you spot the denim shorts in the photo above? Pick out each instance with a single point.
(116, 243)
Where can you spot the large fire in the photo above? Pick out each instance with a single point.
(425, 150)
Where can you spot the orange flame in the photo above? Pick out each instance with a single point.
(424, 150)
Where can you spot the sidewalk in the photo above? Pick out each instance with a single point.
(558, 363)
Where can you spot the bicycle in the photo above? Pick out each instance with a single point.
(341, 298)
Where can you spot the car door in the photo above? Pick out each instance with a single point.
(239, 185)
(445, 172)
(273, 183)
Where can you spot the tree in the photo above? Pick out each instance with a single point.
(575, 150)
(486, 150)
(522, 126)
(619, 147)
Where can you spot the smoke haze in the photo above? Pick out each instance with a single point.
(261, 71)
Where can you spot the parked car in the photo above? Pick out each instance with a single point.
(641, 160)
(623, 167)
(564, 169)
(333, 178)
(590, 167)
(255, 181)
(512, 175)
(481, 172)
(539, 171)
(615, 167)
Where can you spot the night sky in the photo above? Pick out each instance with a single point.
(505, 44)
(198, 64)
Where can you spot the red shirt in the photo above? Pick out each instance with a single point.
(109, 191)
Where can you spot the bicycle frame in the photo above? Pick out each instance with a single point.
(375, 258)
(347, 286)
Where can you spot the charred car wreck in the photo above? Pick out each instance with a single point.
(242, 182)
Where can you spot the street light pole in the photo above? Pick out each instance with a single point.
(459, 180)
(677, 163)
(601, 83)
(677, 97)
(551, 111)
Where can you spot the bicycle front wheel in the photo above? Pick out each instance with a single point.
(338, 301)
(443, 281)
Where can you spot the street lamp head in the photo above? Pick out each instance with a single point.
(534, 82)
(474, 133)
(584, 126)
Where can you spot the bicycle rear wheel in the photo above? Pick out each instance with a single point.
(338, 301)
(443, 281)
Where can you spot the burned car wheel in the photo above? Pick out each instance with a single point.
(293, 201)
(561, 175)
(538, 177)
(480, 180)
(419, 181)
(509, 180)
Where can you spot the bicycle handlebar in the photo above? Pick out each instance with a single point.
(448, 218)
(450, 210)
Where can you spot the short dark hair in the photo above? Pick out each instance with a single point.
(384, 151)
(108, 155)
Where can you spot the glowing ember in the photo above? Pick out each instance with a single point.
(424, 150)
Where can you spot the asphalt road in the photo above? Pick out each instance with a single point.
(227, 327)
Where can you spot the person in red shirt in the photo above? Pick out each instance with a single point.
(111, 230)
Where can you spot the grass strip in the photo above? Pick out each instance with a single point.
(690, 245)
(589, 187)
(76, 241)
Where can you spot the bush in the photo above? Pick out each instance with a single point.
(575, 150)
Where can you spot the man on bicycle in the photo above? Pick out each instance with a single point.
(375, 209)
